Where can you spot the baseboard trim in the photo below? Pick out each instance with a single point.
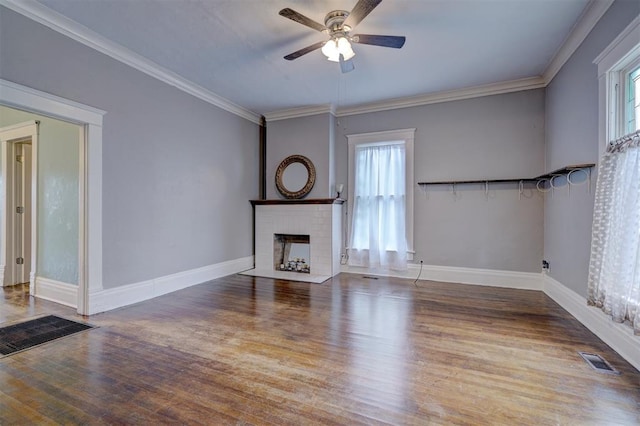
(118, 297)
(449, 274)
(618, 336)
(56, 291)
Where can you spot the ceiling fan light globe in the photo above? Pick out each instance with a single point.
(343, 44)
(344, 48)
(330, 49)
(348, 54)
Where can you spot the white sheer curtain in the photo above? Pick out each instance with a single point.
(378, 233)
(614, 269)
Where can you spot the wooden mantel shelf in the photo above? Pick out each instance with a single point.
(301, 201)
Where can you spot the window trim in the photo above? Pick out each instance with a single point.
(407, 136)
(628, 84)
(614, 63)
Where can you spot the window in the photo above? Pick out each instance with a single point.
(381, 199)
(632, 98)
(614, 266)
(619, 85)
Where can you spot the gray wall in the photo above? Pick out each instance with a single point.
(58, 162)
(177, 172)
(572, 138)
(498, 136)
(308, 136)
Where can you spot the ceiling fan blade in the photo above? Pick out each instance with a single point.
(301, 19)
(304, 51)
(346, 66)
(360, 11)
(380, 40)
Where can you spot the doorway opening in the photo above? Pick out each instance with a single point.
(18, 145)
(89, 274)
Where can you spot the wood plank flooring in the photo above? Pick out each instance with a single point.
(243, 350)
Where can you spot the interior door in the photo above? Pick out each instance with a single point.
(22, 211)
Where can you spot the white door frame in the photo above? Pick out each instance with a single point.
(8, 136)
(90, 223)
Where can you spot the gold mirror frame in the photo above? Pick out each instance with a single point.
(311, 179)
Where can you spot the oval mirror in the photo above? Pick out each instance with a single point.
(295, 176)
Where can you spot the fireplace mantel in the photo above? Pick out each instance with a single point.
(301, 201)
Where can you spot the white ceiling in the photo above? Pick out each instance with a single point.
(235, 48)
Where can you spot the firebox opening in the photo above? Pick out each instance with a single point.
(291, 253)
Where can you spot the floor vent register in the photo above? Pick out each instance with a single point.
(598, 363)
(34, 332)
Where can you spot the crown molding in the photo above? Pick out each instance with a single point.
(431, 98)
(285, 114)
(446, 96)
(583, 26)
(63, 25)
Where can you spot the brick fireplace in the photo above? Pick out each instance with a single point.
(317, 220)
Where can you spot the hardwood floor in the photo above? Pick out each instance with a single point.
(245, 350)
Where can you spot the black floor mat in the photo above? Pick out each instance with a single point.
(17, 337)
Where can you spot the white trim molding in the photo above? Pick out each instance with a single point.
(624, 49)
(28, 99)
(583, 26)
(18, 131)
(16, 95)
(56, 291)
(299, 112)
(63, 25)
(459, 275)
(117, 297)
(624, 45)
(413, 101)
(446, 96)
(618, 336)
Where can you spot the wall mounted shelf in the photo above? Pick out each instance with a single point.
(547, 176)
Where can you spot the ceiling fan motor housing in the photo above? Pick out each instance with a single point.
(334, 22)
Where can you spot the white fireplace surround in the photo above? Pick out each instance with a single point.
(321, 219)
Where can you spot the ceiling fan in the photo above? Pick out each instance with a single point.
(338, 24)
